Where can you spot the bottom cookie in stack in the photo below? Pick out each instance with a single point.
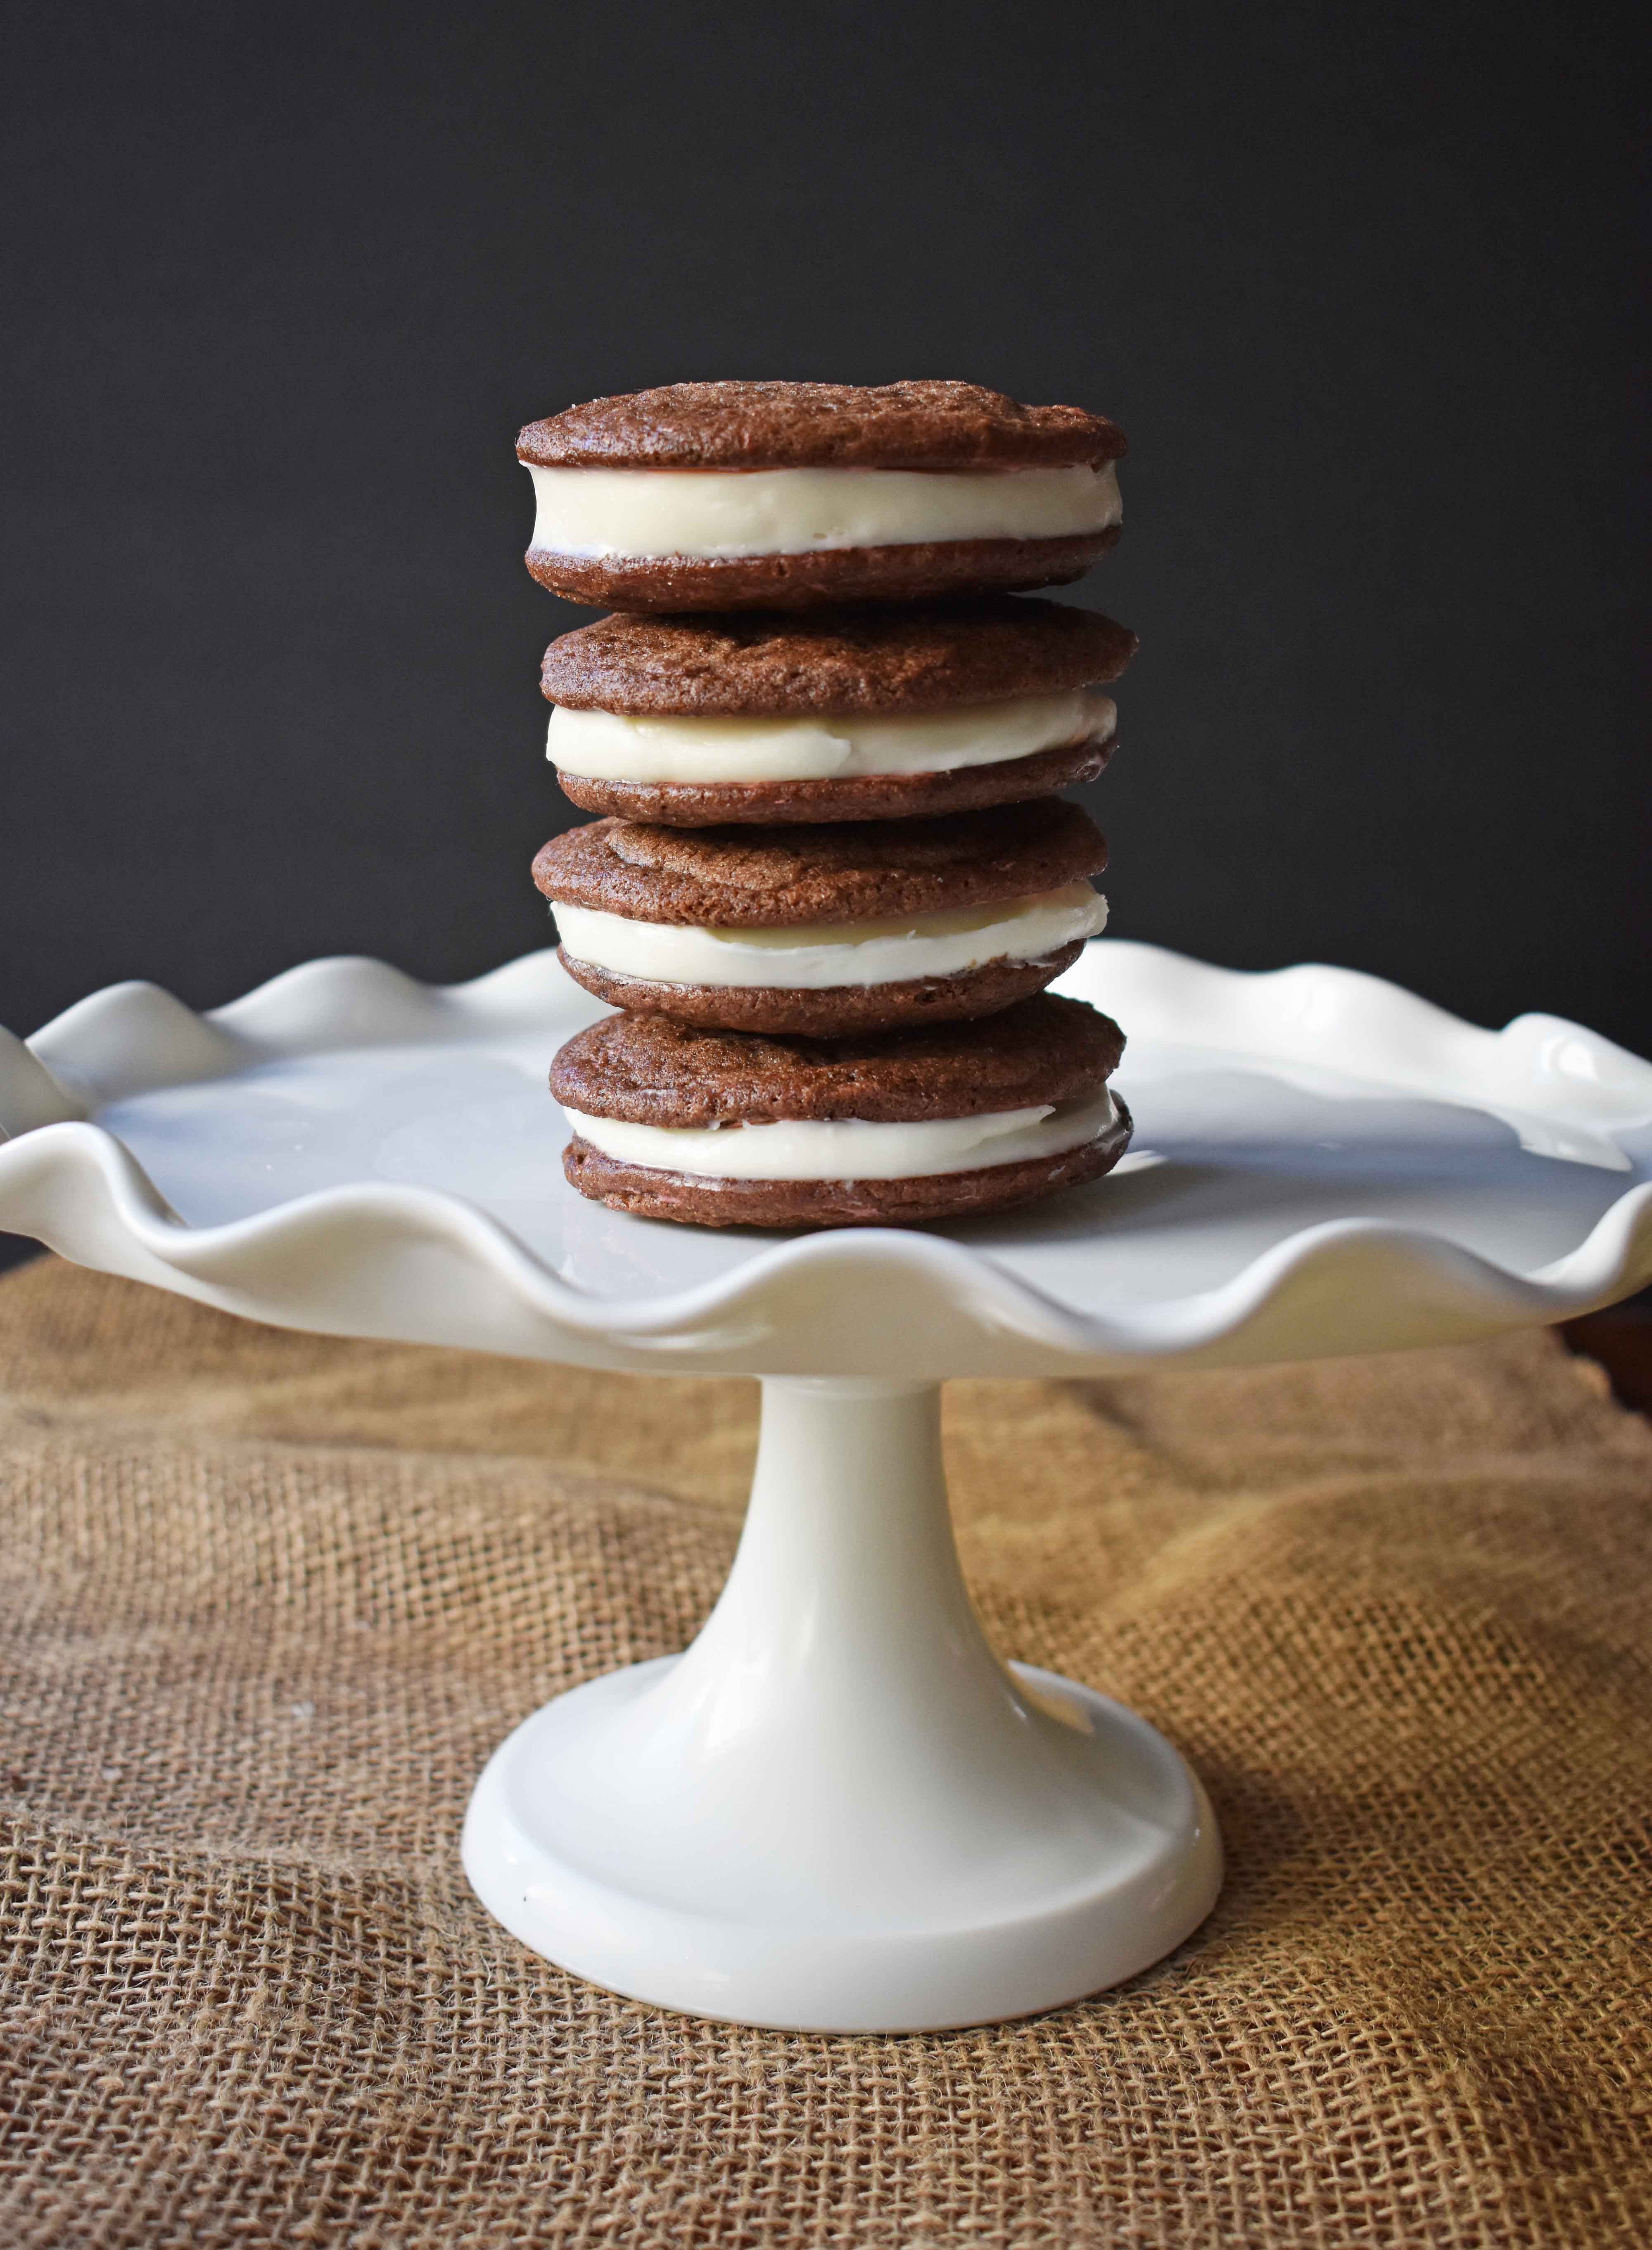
(738, 1128)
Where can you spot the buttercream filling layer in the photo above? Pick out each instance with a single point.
(711, 514)
(609, 746)
(850, 1148)
(818, 957)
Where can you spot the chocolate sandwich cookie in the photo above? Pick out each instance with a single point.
(828, 930)
(732, 1128)
(843, 715)
(779, 495)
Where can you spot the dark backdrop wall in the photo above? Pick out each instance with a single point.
(283, 283)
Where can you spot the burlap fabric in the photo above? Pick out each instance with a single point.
(271, 1600)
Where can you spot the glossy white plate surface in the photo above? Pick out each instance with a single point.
(1322, 1164)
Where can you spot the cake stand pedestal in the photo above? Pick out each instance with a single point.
(839, 1810)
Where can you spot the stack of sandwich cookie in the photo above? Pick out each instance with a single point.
(833, 878)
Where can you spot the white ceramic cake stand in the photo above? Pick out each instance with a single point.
(839, 1810)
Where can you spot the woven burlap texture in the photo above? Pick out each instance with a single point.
(270, 1600)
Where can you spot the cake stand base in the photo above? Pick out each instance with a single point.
(838, 1810)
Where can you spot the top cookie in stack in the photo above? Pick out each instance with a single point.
(782, 495)
(824, 635)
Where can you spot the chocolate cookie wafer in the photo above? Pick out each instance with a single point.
(826, 930)
(778, 495)
(849, 714)
(725, 1128)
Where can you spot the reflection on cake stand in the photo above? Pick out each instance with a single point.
(839, 1810)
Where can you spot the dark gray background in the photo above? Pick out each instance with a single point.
(282, 287)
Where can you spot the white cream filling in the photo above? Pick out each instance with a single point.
(849, 1148)
(709, 514)
(608, 746)
(816, 956)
